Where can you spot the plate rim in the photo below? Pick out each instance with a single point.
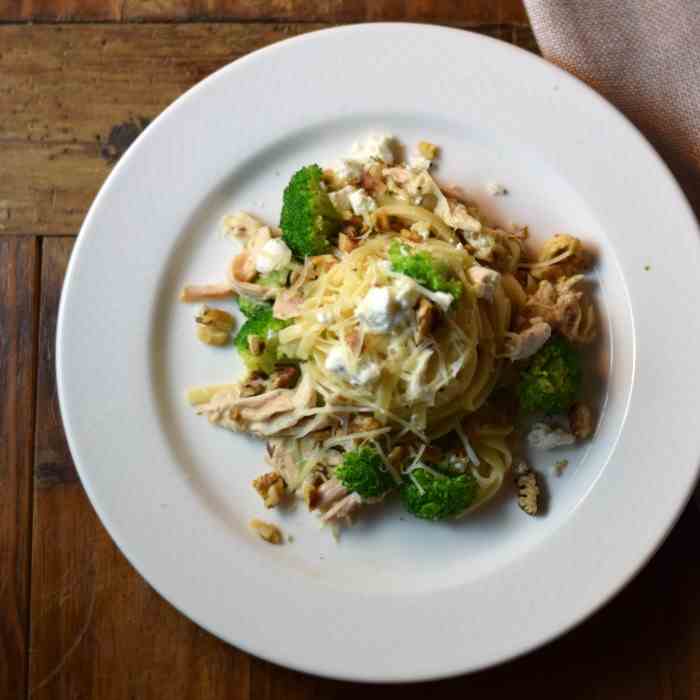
(114, 176)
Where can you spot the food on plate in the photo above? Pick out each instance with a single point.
(396, 342)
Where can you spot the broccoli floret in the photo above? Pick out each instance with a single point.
(276, 278)
(250, 306)
(257, 340)
(432, 495)
(363, 472)
(424, 269)
(552, 378)
(309, 220)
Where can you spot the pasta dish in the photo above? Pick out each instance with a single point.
(395, 341)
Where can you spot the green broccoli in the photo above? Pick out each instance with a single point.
(424, 269)
(552, 378)
(276, 278)
(309, 220)
(363, 472)
(257, 340)
(432, 495)
(249, 306)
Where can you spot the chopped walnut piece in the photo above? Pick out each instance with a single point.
(285, 377)
(214, 326)
(581, 420)
(271, 488)
(528, 489)
(427, 150)
(269, 532)
(426, 316)
(256, 344)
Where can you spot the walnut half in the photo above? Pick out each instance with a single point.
(271, 488)
(528, 489)
(269, 532)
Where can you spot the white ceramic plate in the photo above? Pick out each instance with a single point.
(397, 599)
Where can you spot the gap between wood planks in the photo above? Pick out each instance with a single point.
(474, 11)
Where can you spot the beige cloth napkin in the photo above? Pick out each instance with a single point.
(643, 56)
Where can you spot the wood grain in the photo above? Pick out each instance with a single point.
(97, 629)
(18, 312)
(470, 11)
(73, 97)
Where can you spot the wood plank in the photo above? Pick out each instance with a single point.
(58, 148)
(97, 629)
(18, 309)
(471, 12)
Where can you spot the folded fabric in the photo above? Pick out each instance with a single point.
(643, 56)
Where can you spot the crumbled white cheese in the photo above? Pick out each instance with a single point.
(324, 317)
(348, 170)
(377, 311)
(272, 256)
(495, 189)
(338, 362)
(341, 198)
(442, 299)
(422, 228)
(546, 437)
(419, 162)
(374, 147)
(361, 202)
(485, 281)
(366, 373)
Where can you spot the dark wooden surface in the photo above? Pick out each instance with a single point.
(79, 79)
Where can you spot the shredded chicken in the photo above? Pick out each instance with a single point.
(565, 309)
(243, 269)
(204, 292)
(269, 532)
(343, 508)
(266, 414)
(520, 346)
(329, 492)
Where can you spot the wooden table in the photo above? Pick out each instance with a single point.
(78, 81)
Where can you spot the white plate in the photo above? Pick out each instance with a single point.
(397, 599)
